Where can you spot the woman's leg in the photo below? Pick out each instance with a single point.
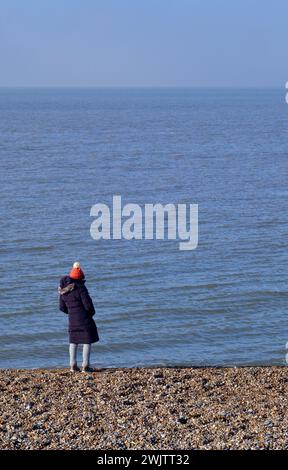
(86, 355)
(73, 354)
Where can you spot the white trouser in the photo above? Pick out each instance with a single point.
(73, 354)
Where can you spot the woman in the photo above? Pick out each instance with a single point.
(76, 302)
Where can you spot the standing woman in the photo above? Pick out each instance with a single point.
(75, 300)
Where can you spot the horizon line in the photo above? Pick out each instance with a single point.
(146, 86)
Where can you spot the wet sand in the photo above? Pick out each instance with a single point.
(163, 408)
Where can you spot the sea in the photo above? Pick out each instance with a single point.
(63, 150)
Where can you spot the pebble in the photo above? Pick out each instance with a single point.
(142, 408)
(29, 405)
(182, 420)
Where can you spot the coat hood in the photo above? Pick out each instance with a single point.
(67, 285)
(66, 289)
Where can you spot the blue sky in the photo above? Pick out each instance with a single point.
(143, 42)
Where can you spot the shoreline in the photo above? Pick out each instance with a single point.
(157, 408)
(150, 367)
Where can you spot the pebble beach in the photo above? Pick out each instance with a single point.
(153, 408)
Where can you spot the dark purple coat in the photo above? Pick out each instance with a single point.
(75, 300)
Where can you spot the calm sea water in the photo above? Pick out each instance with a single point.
(63, 150)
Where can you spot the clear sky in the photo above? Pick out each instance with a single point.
(143, 42)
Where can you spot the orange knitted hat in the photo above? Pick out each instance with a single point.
(76, 272)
